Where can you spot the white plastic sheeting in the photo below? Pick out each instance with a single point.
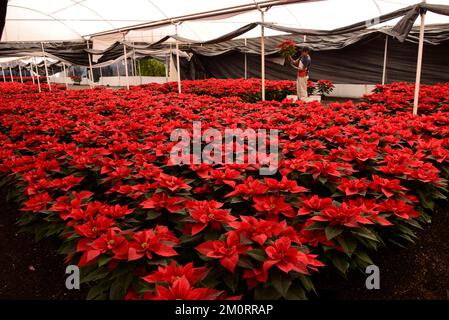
(46, 20)
(23, 61)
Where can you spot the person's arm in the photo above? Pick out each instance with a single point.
(299, 65)
(293, 62)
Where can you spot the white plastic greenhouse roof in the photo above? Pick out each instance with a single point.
(52, 20)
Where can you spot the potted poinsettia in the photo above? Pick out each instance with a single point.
(311, 91)
(76, 79)
(319, 89)
(324, 87)
(287, 49)
(311, 88)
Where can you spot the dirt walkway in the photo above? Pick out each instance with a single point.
(29, 270)
(419, 272)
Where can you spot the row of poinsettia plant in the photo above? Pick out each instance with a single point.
(92, 168)
(248, 90)
(24, 79)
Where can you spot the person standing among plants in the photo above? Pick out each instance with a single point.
(302, 75)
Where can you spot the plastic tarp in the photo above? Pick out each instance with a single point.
(76, 52)
(62, 20)
(326, 42)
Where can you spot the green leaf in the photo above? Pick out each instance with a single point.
(426, 201)
(266, 293)
(120, 286)
(307, 283)
(365, 233)
(363, 256)
(236, 200)
(257, 254)
(281, 282)
(296, 293)
(438, 195)
(316, 226)
(406, 230)
(245, 262)
(332, 232)
(231, 280)
(98, 292)
(153, 215)
(341, 264)
(142, 286)
(103, 259)
(323, 180)
(348, 245)
(97, 274)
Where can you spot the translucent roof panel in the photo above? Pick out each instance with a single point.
(46, 20)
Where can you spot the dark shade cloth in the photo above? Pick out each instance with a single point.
(69, 51)
(355, 58)
(405, 25)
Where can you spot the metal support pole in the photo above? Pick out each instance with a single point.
(177, 61)
(31, 72)
(167, 61)
(262, 53)
(419, 66)
(140, 72)
(101, 76)
(38, 78)
(91, 74)
(118, 73)
(4, 77)
(46, 69)
(134, 62)
(384, 72)
(65, 76)
(10, 74)
(246, 62)
(20, 74)
(126, 65)
(131, 65)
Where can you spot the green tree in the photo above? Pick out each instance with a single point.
(151, 67)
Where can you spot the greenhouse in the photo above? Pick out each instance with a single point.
(224, 150)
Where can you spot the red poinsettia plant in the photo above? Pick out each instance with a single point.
(94, 171)
(324, 87)
(287, 48)
(76, 79)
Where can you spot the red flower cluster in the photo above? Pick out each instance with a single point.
(287, 48)
(92, 167)
(246, 89)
